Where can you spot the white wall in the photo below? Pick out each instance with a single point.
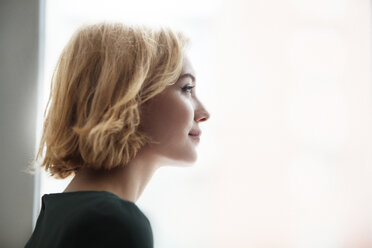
(295, 167)
(18, 97)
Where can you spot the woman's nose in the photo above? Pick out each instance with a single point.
(201, 114)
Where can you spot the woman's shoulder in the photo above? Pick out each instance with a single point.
(90, 219)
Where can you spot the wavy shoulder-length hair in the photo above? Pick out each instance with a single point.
(103, 76)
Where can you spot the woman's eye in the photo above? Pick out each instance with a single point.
(188, 88)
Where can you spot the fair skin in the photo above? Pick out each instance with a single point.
(168, 118)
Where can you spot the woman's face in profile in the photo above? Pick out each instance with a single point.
(170, 117)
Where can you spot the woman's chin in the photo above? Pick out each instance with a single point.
(184, 163)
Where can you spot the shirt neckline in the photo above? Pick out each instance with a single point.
(89, 191)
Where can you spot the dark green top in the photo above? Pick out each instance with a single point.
(90, 219)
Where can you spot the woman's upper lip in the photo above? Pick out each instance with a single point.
(195, 132)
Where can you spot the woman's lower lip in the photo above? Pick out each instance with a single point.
(194, 137)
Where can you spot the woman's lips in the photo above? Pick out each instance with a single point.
(196, 132)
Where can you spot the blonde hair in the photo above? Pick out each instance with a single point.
(103, 76)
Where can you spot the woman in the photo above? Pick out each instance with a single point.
(123, 104)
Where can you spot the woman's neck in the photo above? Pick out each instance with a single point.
(127, 182)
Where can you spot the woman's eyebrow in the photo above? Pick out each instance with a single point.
(188, 75)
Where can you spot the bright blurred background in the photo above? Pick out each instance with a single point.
(286, 158)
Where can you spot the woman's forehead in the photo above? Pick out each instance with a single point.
(187, 67)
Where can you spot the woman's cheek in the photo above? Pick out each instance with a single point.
(188, 109)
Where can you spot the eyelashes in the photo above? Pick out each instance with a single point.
(188, 88)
